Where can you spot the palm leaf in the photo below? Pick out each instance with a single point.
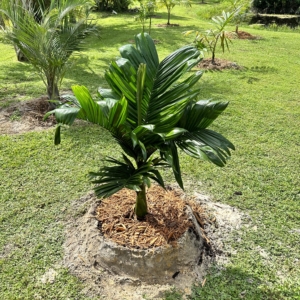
(201, 114)
(207, 145)
(111, 179)
(170, 154)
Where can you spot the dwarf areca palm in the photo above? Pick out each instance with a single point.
(151, 110)
(48, 44)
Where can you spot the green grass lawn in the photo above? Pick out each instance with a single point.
(40, 180)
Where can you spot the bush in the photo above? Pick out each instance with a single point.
(109, 5)
(277, 6)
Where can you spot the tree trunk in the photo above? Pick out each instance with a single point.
(169, 16)
(141, 203)
(52, 91)
(237, 29)
(213, 58)
(213, 51)
(20, 55)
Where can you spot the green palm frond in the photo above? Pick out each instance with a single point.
(150, 106)
(207, 145)
(201, 114)
(49, 42)
(123, 174)
(159, 104)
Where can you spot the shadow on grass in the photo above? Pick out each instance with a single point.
(263, 69)
(247, 73)
(158, 15)
(233, 283)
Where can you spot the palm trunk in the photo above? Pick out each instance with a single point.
(214, 51)
(20, 55)
(141, 203)
(213, 58)
(52, 91)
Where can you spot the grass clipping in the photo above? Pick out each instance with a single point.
(165, 223)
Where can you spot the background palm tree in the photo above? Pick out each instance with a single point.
(151, 112)
(49, 43)
(170, 4)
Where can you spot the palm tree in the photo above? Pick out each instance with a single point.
(211, 38)
(151, 112)
(49, 43)
(170, 4)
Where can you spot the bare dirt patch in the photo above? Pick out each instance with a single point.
(224, 220)
(243, 35)
(219, 65)
(25, 116)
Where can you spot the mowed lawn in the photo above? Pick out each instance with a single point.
(39, 181)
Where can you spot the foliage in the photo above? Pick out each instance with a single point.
(13, 10)
(146, 110)
(146, 11)
(275, 27)
(40, 182)
(209, 39)
(242, 8)
(49, 44)
(170, 4)
(109, 5)
(242, 11)
(277, 6)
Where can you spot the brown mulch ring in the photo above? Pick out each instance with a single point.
(25, 116)
(165, 223)
(220, 64)
(167, 25)
(243, 35)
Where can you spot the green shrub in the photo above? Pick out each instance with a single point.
(109, 5)
(277, 6)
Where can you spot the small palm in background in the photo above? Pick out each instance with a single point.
(210, 39)
(151, 110)
(146, 11)
(170, 4)
(49, 42)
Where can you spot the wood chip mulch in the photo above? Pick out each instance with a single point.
(220, 64)
(165, 223)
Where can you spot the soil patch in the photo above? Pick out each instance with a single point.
(219, 65)
(220, 227)
(243, 35)
(25, 116)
